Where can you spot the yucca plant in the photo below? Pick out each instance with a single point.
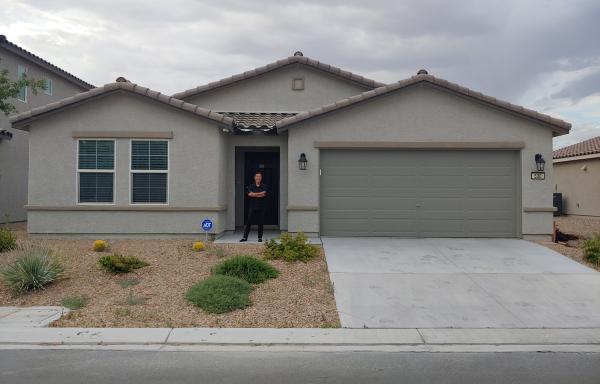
(35, 267)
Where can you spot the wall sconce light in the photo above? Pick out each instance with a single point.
(540, 163)
(302, 162)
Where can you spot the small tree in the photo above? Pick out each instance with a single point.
(10, 89)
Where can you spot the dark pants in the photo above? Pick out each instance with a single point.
(259, 216)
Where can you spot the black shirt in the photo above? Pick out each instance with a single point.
(257, 202)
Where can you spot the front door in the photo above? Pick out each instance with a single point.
(268, 164)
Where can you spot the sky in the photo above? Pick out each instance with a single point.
(542, 54)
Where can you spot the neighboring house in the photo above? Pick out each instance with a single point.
(577, 177)
(14, 143)
(420, 157)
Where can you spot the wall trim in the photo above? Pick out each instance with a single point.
(122, 134)
(302, 208)
(141, 208)
(450, 145)
(539, 209)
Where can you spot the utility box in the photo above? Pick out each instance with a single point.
(557, 203)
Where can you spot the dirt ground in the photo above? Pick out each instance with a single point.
(581, 226)
(301, 296)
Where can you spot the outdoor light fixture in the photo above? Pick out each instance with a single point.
(540, 163)
(302, 162)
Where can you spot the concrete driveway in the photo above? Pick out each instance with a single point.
(459, 283)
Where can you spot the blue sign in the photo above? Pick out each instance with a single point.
(207, 225)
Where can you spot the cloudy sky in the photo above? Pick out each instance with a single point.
(541, 54)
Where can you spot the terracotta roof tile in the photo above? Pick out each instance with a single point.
(586, 147)
(560, 126)
(33, 114)
(261, 120)
(278, 64)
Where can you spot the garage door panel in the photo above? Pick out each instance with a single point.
(418, 193)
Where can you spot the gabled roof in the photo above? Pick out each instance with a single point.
(361, 80)
(584, 148)
(121, 85)
(559, 126)
(12, 47)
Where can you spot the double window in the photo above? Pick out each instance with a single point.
(149, 171)
(96, 171)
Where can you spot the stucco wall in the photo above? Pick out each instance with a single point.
(14, 153)
(579, 182)
(272, 92)
(196, 155)
(419, 113)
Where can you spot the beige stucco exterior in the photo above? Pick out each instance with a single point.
(579, 182)
(14, 153)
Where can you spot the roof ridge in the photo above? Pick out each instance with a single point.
(586, 147)
(276, 65)
(35, 113)
(561, 124)
(66, 75)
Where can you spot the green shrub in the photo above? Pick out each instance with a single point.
(290, 248)
(117, 263)
(8, 240)
(591, 249)
(74, 302)
(220, 294)
(135, 300)
(34, 268)
(247, 268)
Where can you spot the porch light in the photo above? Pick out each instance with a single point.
(302, 162)
(540, 163)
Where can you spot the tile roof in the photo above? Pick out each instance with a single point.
(123, 86)
(561, 127)
(586, 147)
(278, 64)
(43, 63)
(256, 120)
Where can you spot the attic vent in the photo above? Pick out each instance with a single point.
(298, 53)
(422, 72)
(121, 79)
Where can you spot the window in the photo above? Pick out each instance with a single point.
(149, 171)
(48, 87)
(22, 72)
(96, 171)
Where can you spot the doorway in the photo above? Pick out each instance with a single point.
(250, 160)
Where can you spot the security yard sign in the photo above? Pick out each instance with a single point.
(206, 225)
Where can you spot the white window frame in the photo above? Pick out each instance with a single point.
(113, 171)
(19, 66)
(132, 171)
(49, 87)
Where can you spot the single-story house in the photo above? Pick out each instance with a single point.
(422, 157)
(14, 143)
(577, 177)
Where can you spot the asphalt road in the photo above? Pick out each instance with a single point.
(135, 367)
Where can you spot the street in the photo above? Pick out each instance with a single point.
(136, 367)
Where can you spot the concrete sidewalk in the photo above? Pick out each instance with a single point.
(15, 317)
(304, 339)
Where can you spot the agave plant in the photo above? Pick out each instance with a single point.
(35, 267)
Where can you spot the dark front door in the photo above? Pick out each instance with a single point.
(268, 164)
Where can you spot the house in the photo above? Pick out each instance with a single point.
(421, 157)
(577, 177)
(13, 142)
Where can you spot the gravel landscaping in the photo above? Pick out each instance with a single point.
(154, 296)
(581, 226)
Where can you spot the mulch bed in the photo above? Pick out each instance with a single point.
(301, 296)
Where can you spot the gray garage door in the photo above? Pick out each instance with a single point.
(419, 193)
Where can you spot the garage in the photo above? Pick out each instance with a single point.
(419, 193)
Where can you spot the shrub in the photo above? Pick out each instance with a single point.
(247, 268)
(35, 268)
(198, 246)
(100, 246)
(290, 248)
(8, 240)
(135, 300)
(220, 294)
(128, 283)
(117, 263)
(220, 252)
(74, 302)
(591, 249)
